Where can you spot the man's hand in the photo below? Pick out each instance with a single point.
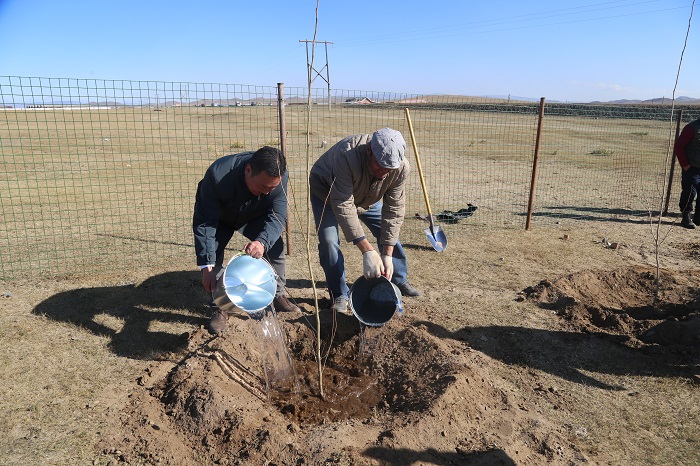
(255, 249)
(372, 266)
(388, 263)
(209, 279)
(686, 168)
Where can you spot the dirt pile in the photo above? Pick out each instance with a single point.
(412, 397)
(622, 302)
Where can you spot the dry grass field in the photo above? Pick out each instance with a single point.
(105, 189)
(527, 347)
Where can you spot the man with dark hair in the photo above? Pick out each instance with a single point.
(247, 193)
(687, 150)
(348, 184)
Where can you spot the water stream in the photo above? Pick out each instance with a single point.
(369, 337)
(280, 374)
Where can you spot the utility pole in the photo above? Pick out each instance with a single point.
(318, 73)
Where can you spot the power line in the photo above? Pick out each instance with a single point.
(457, 30)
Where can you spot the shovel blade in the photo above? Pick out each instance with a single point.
(436, 237)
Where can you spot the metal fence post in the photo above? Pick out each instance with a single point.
(673, 162)
(534, 166)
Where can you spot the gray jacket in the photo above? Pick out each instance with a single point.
(344, 172)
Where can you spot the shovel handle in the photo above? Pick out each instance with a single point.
(420, 169)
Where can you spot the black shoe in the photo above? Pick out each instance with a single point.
(283, 304)
(217, 322)
(687, 222)
(407, 289)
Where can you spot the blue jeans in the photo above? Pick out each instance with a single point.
(329, 253)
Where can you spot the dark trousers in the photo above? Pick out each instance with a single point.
(690, 180)
(275, 255)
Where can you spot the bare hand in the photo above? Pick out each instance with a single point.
(255, 249)
(209, 279)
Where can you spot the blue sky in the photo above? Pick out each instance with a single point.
(577, 51)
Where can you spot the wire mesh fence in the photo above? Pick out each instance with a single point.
(100, 175)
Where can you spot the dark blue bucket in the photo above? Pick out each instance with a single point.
(374, 301)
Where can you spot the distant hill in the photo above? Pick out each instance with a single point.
(656, 101)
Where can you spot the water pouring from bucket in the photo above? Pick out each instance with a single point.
(374, 302)
(247, 284)
(250, 285)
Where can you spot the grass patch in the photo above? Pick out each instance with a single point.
(605, 152)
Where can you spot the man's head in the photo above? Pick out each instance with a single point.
(386, 150)
(264, 170)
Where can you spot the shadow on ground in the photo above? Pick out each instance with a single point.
(140, 320)
(402, 456)
(601, 215)
(569, 354)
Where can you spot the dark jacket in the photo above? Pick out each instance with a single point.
(223, 199)
(687, 147)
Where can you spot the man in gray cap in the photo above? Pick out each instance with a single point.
(361, 179)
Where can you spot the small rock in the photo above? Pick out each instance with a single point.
(696, 379)
(7, 294)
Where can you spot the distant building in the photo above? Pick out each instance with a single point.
(359, 101)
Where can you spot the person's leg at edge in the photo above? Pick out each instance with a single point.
(689, 183)
(330, 255)
(695, 182)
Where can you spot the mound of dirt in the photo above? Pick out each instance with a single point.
(622, 302)
(392, 395)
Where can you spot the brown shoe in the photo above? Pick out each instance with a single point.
(283, 304)
(217, 322)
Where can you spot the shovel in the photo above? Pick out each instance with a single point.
(434, 233)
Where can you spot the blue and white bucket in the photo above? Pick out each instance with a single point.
(247, 284)
(374, 301)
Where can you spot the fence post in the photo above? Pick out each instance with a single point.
(283, 148)
(534, 166)
(673, 162)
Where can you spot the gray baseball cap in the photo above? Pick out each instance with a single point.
(388, 147)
